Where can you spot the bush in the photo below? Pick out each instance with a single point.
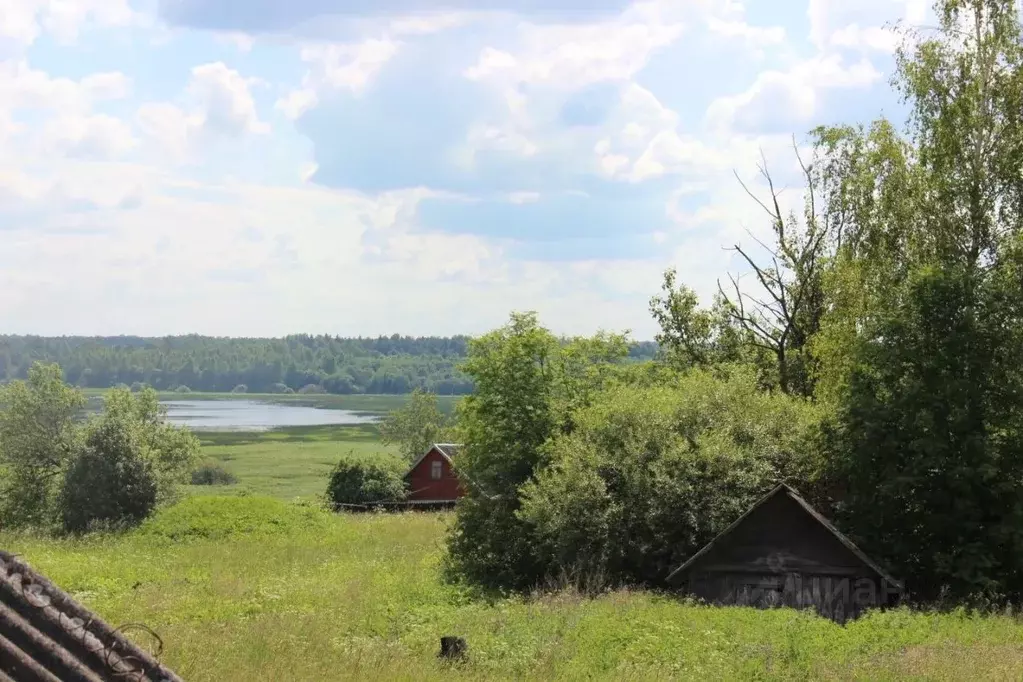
(650, 475)
(312, 389)
(240, 388)
(137, 387)
(183, 389)
(280, 388)
(111, 482)
(362, 480)
(216, 517)
(212, 473)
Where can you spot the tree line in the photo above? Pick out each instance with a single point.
(384, 365)
(873, 359)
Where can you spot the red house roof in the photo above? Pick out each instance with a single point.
(447, 450)
(47, 635)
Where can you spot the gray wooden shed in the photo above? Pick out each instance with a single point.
(782, 552)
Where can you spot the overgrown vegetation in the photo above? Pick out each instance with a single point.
(872, 359)
(110, 470)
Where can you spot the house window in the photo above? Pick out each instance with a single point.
(436, 470)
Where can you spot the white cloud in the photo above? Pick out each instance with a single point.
(337, 66)
(23, 21)
(524, 197)
(792, 95)
(224, 100)
(22, 87)
(66, 18)
(272, 261)
(242, 41)
(98, 136)
(575, 56)
(759, 36)
(867, 24)
(219, 104)
(170, 127)
(642, 141)
(54, 117)
(353, 65)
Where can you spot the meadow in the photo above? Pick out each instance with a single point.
(256, 581)
(287, 463)
(255, 588)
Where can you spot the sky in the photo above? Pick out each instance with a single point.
(366, 167)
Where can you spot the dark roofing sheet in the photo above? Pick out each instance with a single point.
(784, 489)
(46, 635)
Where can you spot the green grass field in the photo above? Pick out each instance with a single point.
(254, 588)
(289, 462)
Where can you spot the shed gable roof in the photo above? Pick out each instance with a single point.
(47, 635)
(790, 494)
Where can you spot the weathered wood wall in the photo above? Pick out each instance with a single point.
(781, 556)
(839, 598)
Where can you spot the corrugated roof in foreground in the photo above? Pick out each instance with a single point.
(46, 635)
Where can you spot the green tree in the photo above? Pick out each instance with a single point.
(171, 451)
(111, 482)
(38, 438)
(921, 347)
(415, 426)
(528, 383)
(927, 442)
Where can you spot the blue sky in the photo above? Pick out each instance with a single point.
(363, 167)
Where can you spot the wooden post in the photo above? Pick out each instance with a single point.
(453, 648)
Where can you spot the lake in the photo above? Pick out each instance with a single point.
(254, 415)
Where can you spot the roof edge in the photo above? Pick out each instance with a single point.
(15, 573)
(439, 447)
(798, 499)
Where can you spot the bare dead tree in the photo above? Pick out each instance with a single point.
(783, 311)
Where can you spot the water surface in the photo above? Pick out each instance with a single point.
(254, 415)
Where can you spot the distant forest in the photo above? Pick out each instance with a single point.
(388, 364)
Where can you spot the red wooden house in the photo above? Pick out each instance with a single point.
(432, 478)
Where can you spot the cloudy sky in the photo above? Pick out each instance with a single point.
(264, 167)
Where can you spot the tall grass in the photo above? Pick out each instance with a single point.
(254, 588)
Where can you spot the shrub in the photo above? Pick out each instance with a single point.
(240, 388)
(362, 480)
(183, 389)
(111, 482)
(137, 386)
(312, 389)
(280, 388)
(224, 517)
(650, 474)
(212, 473)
